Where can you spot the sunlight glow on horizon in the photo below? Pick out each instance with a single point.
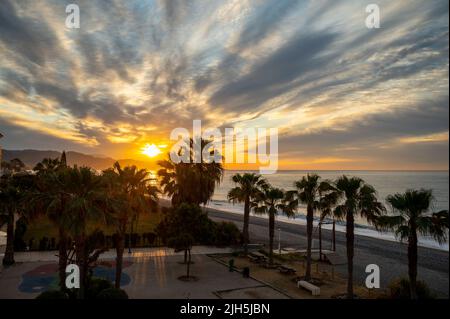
(151, 150)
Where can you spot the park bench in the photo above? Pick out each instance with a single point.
(315, 291)
(286, 270)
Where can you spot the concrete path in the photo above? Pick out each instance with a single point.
(145, 277)
(33, 256)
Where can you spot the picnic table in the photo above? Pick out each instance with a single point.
(286, 270)
(257, 257)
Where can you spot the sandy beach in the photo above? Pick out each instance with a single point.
(390, 256)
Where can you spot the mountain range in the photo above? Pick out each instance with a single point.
(31, 157)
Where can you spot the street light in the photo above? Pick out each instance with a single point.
(279, 241)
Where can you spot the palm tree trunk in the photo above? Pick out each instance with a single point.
(334, 235)
(350, 247)
(62, 261)
(412, 263)
(8, 259)
(320, 241)
(309, 230)
(82, 263)
(188, 263)
(271, 234)
(246, 221)
(120, 246)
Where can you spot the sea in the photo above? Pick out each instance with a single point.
(385, 182)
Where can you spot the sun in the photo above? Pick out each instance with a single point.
(151, 150)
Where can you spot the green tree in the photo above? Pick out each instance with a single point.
(47, 165)
(132, 193)
(13, 166)
(191, 181)
(411, 216)
(311, 191)
(269, 201)
(13, 191)
(84, 207)
(50, 198)
(357, 198)
(248, 186)
(183, 242)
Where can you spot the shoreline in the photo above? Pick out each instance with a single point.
(360, 230)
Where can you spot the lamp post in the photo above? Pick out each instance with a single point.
(279, 241)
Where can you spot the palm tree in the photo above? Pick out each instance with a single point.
(310, 190)
(14, 188)
(410, 217)
(191, 182)
(84, 207)
(9, 202)
(328, 198)
(50, 197)
(358, 198)
(133, 193)
(47, 164)
(269, 201)
(249, 185)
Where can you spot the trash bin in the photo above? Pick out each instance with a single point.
(246, 272)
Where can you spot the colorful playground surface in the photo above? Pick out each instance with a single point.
(45, 277)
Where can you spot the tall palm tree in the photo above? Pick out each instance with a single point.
(412, 216)
(357, 198)
(248, 186)
(269, 201)
(134, 194)
(328, 198)
(190, 182)
(309, 191)
(84, 207)
(14, 188)
(9, 206)
(50, 197)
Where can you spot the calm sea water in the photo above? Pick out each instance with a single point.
(385, 182)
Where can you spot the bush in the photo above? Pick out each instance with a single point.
(113, 293)
(52, 294)
(227, 233)
(400, 289)
(96, 286)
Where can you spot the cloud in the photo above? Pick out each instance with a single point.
(137, 69)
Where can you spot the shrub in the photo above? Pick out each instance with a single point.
(400, 289)
(52, 294)
(113, 293)
(96, 286)
(227, 233)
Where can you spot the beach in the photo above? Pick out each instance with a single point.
(390, 256)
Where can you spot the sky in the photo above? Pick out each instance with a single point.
(342, 96)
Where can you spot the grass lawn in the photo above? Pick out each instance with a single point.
(42, 227)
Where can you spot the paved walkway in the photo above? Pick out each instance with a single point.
(111, 254)
(146, 274)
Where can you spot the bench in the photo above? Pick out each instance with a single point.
(286, 270)
(315, 291)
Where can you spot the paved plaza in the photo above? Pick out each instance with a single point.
(147, 273)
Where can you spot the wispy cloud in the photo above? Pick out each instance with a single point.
(137, 69)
